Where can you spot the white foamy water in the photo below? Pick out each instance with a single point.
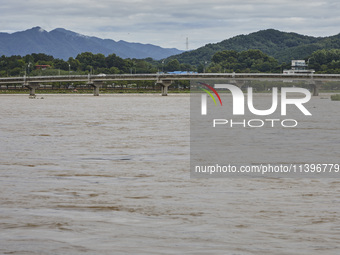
(110, 175)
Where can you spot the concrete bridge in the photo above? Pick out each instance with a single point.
(165, 80)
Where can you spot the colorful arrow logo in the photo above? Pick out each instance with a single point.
(209, 93)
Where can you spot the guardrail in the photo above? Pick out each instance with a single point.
(160, 77)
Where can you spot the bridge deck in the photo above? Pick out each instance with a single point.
(160, 77)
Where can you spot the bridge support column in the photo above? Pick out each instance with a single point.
(32, 91)
(240, 84)
(164, 86)
(96, 90)
(96, 86)
(316, 90)
(237, 83)
(32, 87)
(315, 87)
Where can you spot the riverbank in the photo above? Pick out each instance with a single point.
(121, 91)
(90, 91)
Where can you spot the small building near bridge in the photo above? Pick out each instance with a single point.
(298, 67)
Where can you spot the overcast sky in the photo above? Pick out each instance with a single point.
(169, 23)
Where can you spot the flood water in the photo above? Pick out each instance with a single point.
(110, 175)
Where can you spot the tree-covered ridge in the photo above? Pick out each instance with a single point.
(84, 63)
(325, 61)
(281, 45)
(248, 61)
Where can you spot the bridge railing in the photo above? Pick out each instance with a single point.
(160, 77)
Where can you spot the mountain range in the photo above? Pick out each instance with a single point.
(282, 46)
(62, 43)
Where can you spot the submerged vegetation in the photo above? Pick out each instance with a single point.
(335, 97)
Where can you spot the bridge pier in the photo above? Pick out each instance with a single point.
(164, 86)
(316, 90)
(238, 83)
(315, 87)
(32, 87)
(96, 86)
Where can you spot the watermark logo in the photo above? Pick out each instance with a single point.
(238, 100)
(239, 103)
(204, 97)
(258, 127)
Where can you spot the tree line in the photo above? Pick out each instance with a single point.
(248, 61)
(84, 63)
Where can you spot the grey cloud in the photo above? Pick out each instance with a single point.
(168, 23)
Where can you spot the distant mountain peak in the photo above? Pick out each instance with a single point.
(68, 32)
(38, 29)
(62, 43)
(61, 30)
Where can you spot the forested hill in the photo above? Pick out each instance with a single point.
(281, 45)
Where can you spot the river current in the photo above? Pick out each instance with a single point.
(110, 175)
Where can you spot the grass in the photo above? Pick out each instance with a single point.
(335, 97)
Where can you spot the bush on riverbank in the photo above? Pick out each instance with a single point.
(335, 97)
